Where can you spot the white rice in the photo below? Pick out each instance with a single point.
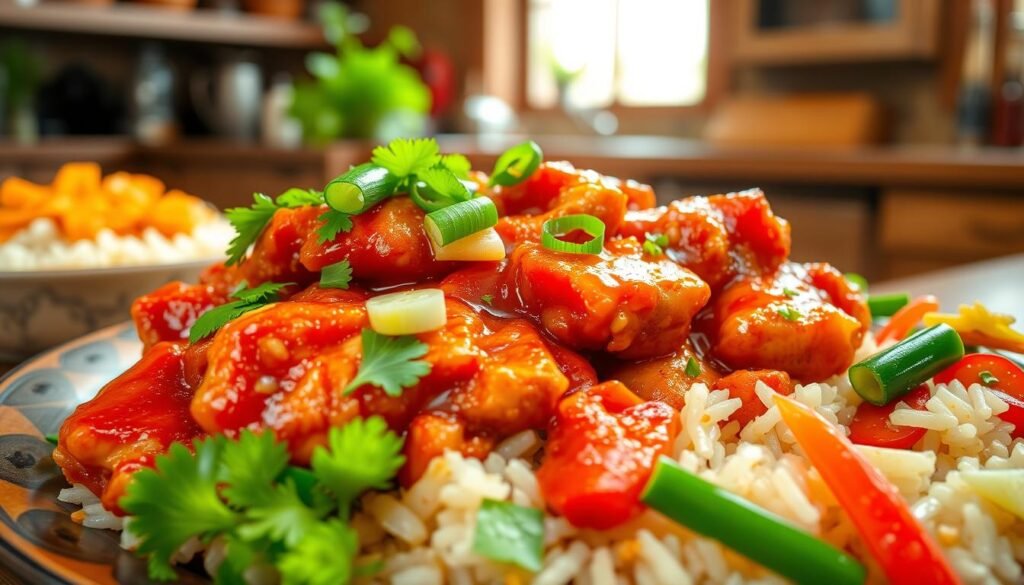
(39, 246)
(425, 533)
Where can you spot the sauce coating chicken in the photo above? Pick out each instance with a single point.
(506, 359)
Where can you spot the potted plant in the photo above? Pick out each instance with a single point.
(360, 91)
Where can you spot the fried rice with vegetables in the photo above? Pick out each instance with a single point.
(425, 374)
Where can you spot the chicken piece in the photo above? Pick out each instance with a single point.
(276, 255)
(665, 378)
(790, 321)
(617, 301)
(265, 352)
(386, 245)
(132, 419)
(717, 237)
(537, 194)
(605, 203)
(167, 314)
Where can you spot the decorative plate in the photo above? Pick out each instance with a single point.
(38, 540)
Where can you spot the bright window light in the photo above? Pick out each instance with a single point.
(626, 52)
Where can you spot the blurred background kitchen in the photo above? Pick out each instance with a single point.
(888, 132)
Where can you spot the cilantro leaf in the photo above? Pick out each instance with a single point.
(337, 275)
(457, 164)
(296, 197)
(324, 556)
(248, 223)
(390, 363)
(509, 533)
(404, 157)
(444, 183)
(655, 244)
(283, 518)
(364, 454)
(332, 223)
(175, 501)
(247, 300)
(239, 555)
(487, 299)
(249, 465)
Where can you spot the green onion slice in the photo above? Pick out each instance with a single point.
(560, 226)
(857, 280)
(891, 373)
(459, 220)
(516, 164)
(746, 528)
(887, 305)
(360, 188)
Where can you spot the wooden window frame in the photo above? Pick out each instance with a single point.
(505, 33)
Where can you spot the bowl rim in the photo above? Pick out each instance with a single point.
(10, 275)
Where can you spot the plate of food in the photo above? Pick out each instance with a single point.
(74, 254)
(427, 374)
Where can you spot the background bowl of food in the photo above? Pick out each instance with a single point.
(75, 253)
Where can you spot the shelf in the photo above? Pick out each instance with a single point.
(197, 26)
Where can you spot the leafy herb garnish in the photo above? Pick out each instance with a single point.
(487, 299)
(243, 491)
(405, 157)
(390, 363)
(249, 222)
(509, 533)
(789, 292)
(692, 367)
(336, 275)
(332, 223)
(246, 299)
(788, 313)
(655, 244)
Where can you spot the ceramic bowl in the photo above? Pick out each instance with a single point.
(42, 309)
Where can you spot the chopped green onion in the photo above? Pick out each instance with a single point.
(988, 378)
(487, 299)
(360, 188)
(560, 226)
(517, 164)
(407, 312)
(887, 305)
(462, 219)
(857, 280)
(692, 367)
(789, 292)
(891, 373)
(509, 533)
(746, 528)
(655, 244)
(788, 313)
(52, 439)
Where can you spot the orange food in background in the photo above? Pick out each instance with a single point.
(82, 202)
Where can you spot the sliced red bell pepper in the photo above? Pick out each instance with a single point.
(871, 426)
(904, 320)
(907, 554)
(601, 451)
(1002, 376)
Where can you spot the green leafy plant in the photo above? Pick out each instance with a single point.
(360, 91)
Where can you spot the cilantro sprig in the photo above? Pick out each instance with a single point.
(243, 491)
(246, 299)
(249, 222)
(390, 363)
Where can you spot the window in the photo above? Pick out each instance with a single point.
(636, 53)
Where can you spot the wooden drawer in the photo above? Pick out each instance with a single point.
(951, 224)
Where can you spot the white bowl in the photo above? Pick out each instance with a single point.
(44, 308)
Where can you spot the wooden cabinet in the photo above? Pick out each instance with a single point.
(829, 31)
(922, 229)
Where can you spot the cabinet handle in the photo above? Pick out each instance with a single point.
(994, 233)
